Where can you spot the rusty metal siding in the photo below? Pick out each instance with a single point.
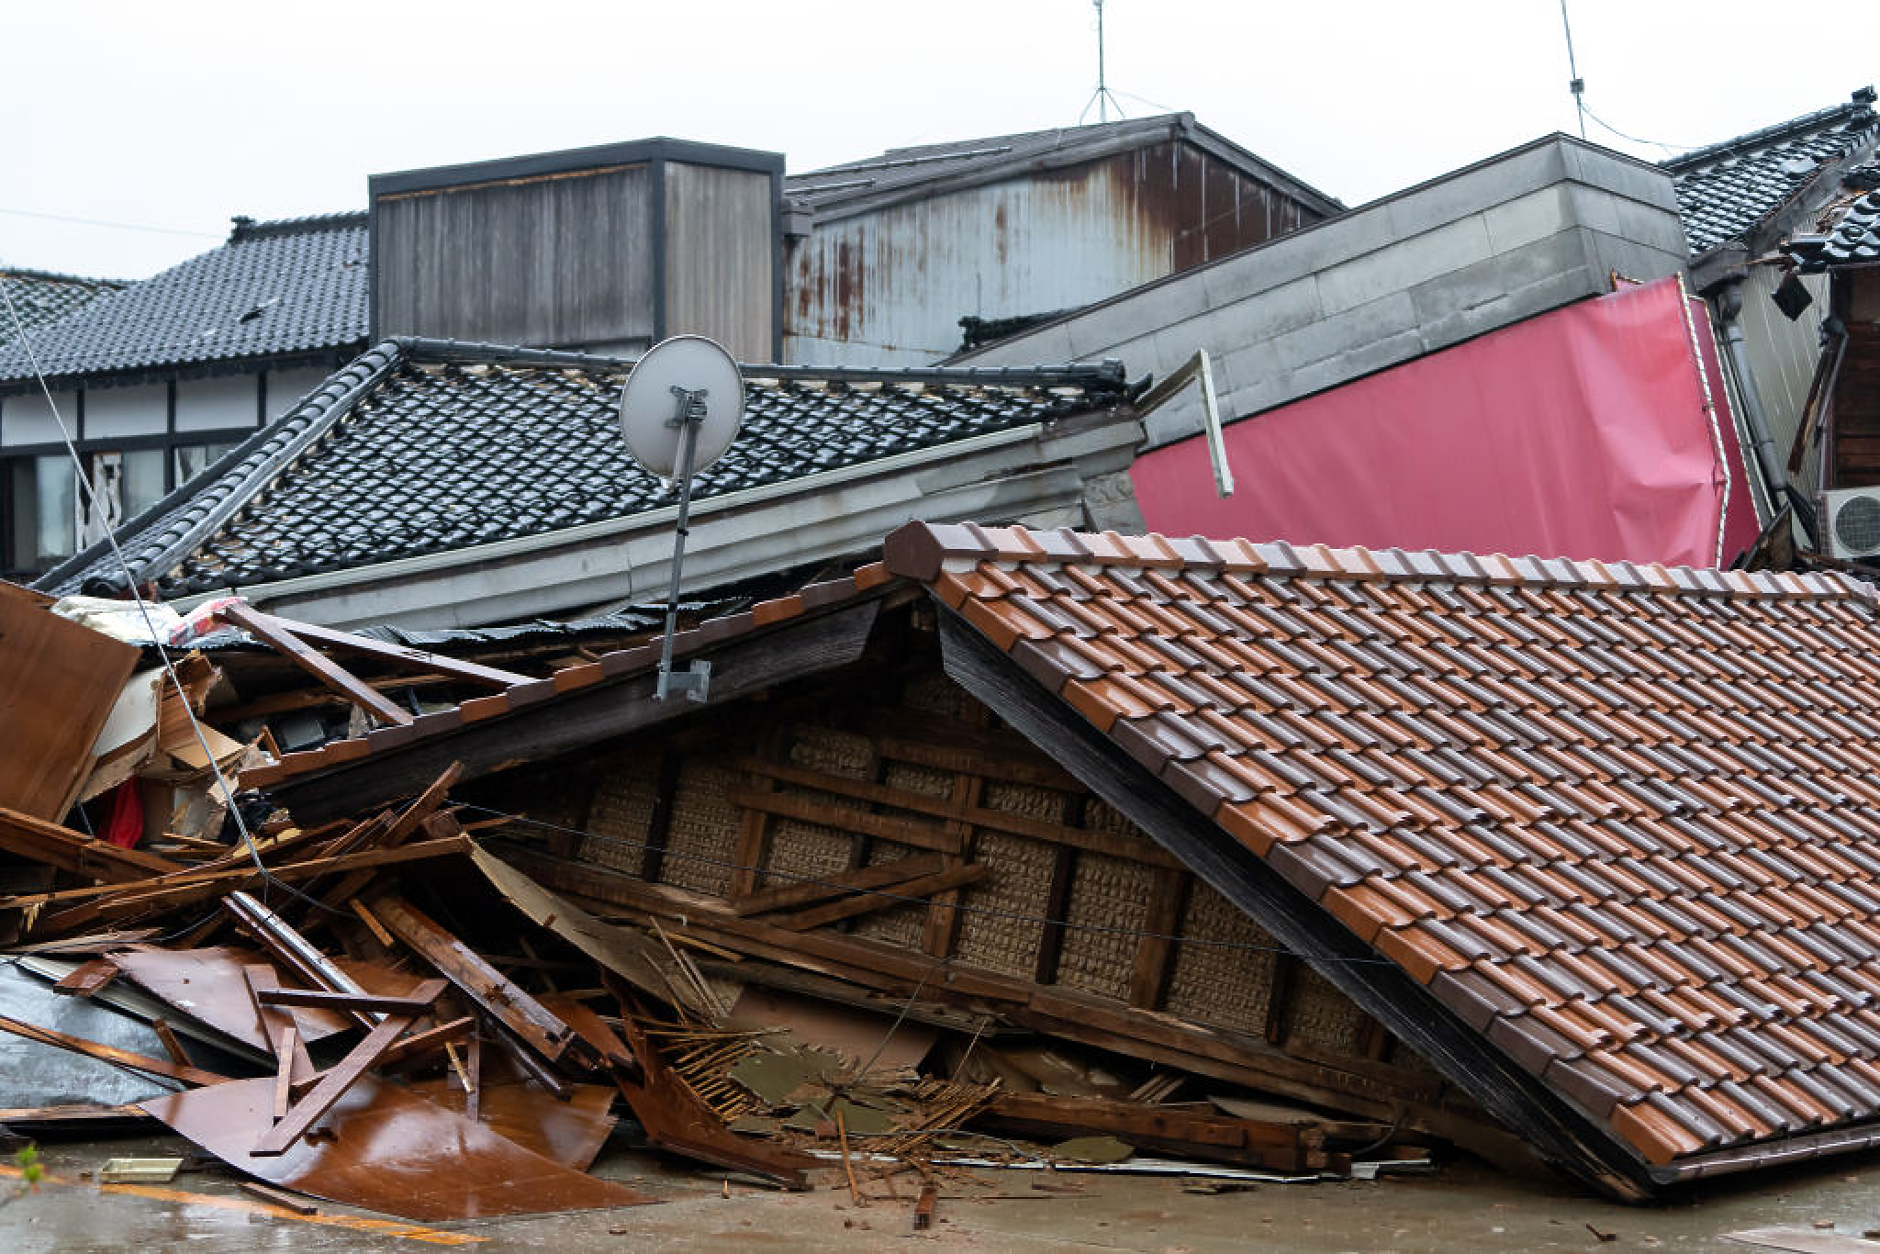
(561, 260)
(890, 286)
(720, 267)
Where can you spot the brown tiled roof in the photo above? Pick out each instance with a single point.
(608, 666)
(1620, 820)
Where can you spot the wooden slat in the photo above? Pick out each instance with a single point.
(809, 810)
(1155, 952)
(106, 1053)
(1135, 850)
(792, 895)
(334, 1082)
(869, 901)
(396, 654)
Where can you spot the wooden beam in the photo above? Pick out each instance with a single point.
(1057, 901)
(792, 895)
(107, 1053)
(659, 822)
(334, 1082)
(579, 719)
(482, 983)
(1155, 951)
(810, 810)
(1116, 846)
(70, 851)
(870, 900)
(398, 655)
(279, 635)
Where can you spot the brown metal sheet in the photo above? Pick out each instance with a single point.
(388, 1151)
(569, 1133)
(207, 983)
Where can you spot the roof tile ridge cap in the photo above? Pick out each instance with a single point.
(166, 506)
(322, 411)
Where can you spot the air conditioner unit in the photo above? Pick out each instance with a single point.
(1852, 519)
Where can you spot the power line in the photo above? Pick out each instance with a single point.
(115, 226)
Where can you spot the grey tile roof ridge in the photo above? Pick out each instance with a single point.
(1749, 141)
(340, 220)
(1107, 372)
(60, 276)
(165, 537)
(289, 436)
(920, 550)
(288, 290)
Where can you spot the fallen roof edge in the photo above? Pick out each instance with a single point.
(1562, 1134)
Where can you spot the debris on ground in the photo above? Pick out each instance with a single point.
(380, 1011)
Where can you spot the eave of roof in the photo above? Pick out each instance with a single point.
(902, 174)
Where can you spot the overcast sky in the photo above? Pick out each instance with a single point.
(177, 116)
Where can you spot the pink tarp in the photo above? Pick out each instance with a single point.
(1579, 433)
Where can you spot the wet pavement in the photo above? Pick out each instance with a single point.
(1466, 1206)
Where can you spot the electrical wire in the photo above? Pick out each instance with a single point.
(1013, 916)
(116, 226)
(90, 495)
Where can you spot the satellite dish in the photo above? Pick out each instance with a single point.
(686, 381)
(679, 412)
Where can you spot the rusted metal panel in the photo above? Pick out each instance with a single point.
(562, 259)
(889, 286)
(721, 269)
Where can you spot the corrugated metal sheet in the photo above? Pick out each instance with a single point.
(1782, 355)
(890, 287)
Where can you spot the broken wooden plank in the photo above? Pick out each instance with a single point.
(1188, 1131)
(674, 1117)
(419, 1044)
(279, 635)
(88, 979)
(803, 893)
(402, 656)
(483, 984)
(47, 842)
(326, 1000)
(107, 1053)
(342, 1075)
(895, 894)
(294, 951)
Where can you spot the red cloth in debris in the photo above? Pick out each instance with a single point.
(1578, 433)
(125, 827)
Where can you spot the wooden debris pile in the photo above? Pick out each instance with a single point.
(379, 1010)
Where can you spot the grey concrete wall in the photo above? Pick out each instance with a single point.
(1516, 235)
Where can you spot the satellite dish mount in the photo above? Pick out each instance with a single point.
(680, 410)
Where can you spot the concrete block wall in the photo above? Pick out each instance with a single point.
(1489, 245)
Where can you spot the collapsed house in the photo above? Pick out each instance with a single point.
(1474, 842)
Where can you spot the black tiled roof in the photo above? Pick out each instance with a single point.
(914, 171)
(275, 289)
(422, 447)
(1850, 235)
(1726, 189)
(40, 298)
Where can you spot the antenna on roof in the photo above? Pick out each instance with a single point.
(1576, 84)
(679, 411)
(1103, 97)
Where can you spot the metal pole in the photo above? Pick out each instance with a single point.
(691, 414)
